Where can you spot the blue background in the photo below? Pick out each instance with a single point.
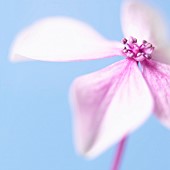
(35, 117)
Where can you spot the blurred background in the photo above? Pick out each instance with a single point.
(35, 116)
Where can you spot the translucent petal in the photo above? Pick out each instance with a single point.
(107, 105)
(157, 76)
(162, 54)
(143, 23)
(62, 39)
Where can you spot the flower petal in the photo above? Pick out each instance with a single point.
(108, 104)
(162, 54)
(143, 23)
(62, 39)
(157, 76)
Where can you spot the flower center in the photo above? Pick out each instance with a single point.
(138, 52)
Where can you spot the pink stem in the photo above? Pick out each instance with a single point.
(119, 154)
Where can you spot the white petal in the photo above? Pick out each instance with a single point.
(162, 54)
(143, 22)
(62, 39)
(109, 104)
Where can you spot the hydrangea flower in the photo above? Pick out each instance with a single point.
(113, 102)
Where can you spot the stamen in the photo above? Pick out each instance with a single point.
(124, 40)
(130, 53)
(133, 40)
(125, 50)
(147, 56)
(148, 45)
(138, 52)
(144, 41)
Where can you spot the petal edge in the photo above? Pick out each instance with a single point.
(62, 39)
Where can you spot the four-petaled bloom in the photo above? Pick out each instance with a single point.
(112, 102)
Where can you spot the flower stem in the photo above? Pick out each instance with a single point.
(119, 154)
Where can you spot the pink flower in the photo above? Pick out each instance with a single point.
(110, 103)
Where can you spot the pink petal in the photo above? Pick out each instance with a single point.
(157, 76)
(143, 22)
(162, 54)
(108, 104)
(62, 39)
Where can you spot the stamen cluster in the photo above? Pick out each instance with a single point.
(135, 51)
